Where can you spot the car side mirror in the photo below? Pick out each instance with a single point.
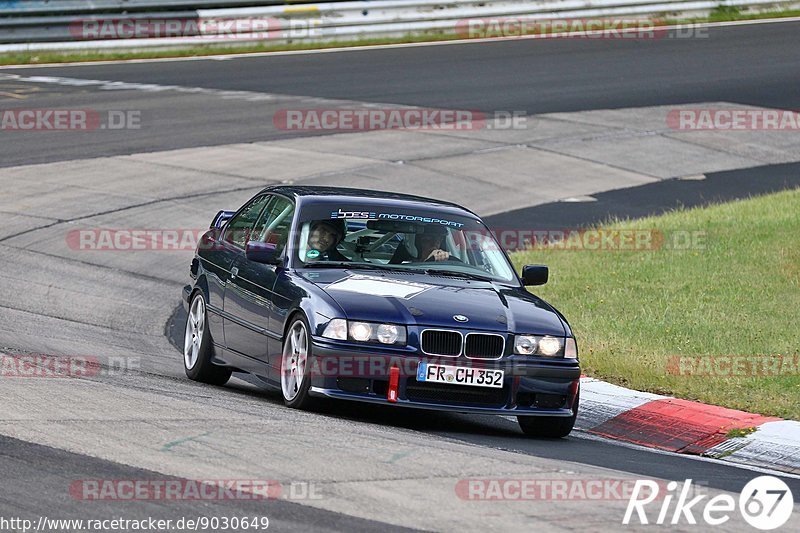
(262, 252)
(535, 274)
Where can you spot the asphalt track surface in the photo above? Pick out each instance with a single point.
(748, 65)
(654, 199)
(755, 65)
(23, 476)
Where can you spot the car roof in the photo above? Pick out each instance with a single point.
(307, 194)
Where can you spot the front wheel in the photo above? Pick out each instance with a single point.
(198, 348)
(552, 427)
(295, 381)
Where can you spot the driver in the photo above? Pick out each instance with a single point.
(323, 237)
(429, 245)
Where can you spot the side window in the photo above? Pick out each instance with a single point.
(239, 228)
(275, 223)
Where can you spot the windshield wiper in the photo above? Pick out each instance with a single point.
(457, 274)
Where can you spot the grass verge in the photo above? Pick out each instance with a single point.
(720, 14)
(635, 313)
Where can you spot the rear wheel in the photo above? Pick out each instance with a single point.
(295, 381)
(553, 427)
(198, 348)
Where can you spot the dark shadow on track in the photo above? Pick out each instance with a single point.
(652, 199)
(175, 327)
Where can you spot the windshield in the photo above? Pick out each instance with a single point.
(391, 238)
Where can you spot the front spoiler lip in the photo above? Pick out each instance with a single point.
(452, 408)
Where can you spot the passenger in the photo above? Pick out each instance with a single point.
(430, 247)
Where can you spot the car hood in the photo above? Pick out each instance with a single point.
(434, 300)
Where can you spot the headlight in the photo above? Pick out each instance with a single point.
(525, 344)
(340, 329)
(360, 331)
(336, 329)
(547, 346)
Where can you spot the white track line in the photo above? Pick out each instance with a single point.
(245, 55)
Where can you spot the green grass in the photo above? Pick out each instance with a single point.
(721, 13)
(738, 295)
(740, 432)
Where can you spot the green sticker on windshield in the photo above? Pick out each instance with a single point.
(312, 254)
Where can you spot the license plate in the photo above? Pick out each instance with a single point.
(460, 375)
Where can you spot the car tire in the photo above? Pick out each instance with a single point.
(198, 348)
(551, 427)
(295, 381)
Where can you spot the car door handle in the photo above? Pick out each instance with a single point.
(234, 272)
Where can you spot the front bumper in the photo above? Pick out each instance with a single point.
(530, 387)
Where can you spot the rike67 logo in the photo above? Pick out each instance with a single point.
(765, 503)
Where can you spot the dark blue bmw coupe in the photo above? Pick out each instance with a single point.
(377, 297)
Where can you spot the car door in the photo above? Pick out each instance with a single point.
(217, 258)
(231, 247)
(248, 298)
